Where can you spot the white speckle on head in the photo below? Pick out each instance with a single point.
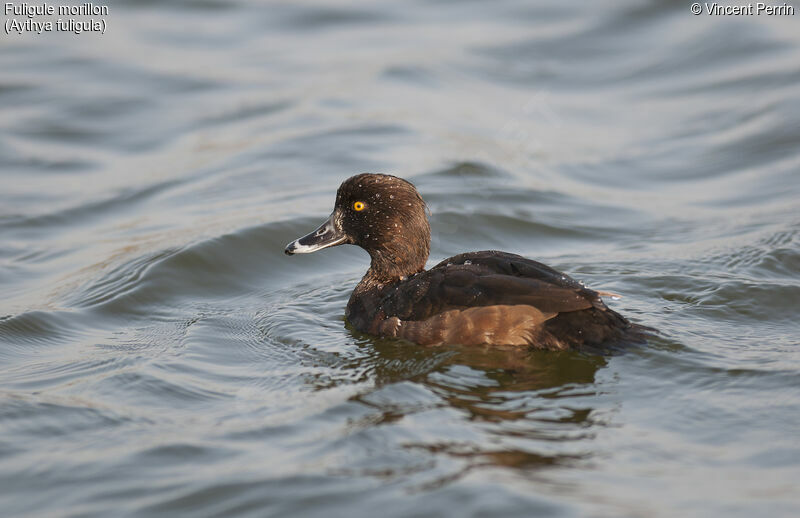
(391, 196)
(377, 195)
(467, 262)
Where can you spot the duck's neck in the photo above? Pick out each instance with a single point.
(387, 267)
(390, 264)
(385, 272)
(395, 260)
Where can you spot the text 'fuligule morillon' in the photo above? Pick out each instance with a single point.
(31, 10)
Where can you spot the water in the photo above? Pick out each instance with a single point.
(160, 355)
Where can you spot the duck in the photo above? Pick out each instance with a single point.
(488, 298)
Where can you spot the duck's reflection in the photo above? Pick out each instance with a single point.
(489, 407)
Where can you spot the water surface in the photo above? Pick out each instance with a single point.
(159, 355)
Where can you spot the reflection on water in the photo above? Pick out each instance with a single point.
(160, 355)
(481, 407)
(521, 395)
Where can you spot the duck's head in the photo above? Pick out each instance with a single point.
(384, 215)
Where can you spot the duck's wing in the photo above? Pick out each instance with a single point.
(514, 265)
(478, 279)
(497, 298)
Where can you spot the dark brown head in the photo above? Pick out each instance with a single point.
(384, 215)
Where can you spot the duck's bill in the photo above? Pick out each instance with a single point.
(328, 234)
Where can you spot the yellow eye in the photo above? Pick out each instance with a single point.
(359, 205)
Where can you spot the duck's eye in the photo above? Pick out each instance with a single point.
(359, 206)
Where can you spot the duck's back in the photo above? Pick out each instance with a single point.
(496, 298)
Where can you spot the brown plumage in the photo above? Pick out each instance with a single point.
(488, 297)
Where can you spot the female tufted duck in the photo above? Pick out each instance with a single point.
(488, 297)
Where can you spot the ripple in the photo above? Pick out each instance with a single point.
(462, 170)
(219, 266)
(411, 74)
(32, 225)
(241, 113)
(153, 390)
(774, 255)
(37, 328)
(322, 18)
(46, 417)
